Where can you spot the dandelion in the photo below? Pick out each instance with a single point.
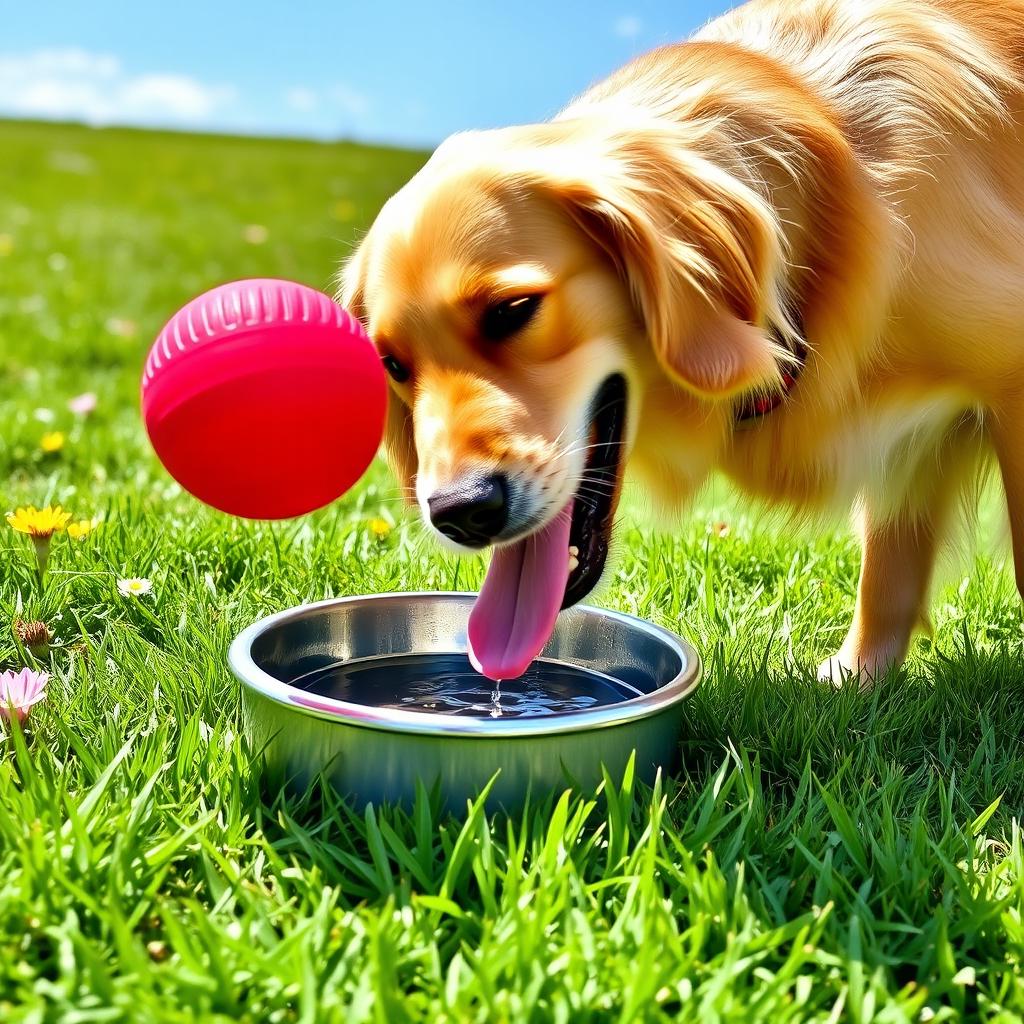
(721, 529)
(34, 635)
(19, 691)
(52, 442)
(40, 525)
(380, 528)
(255, 234)
(81, 529)
(137, 586)
(82, 405)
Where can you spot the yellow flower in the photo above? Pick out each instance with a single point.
(380, 528)
(343, 209)
(52, 442)
(81, 529)
(39, 523)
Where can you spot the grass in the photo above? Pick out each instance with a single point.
(818, 856)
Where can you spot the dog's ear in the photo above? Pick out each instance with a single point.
(700, 251)
(721, 355)
(399, 443)
(400, 447)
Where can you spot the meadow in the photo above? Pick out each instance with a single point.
(818, 855)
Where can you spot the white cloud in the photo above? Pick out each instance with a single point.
(628, 27)
(350, 101)
(95, 88)
(335, 99)
(301, 99)
(177, 95)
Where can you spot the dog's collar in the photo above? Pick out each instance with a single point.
(754, 407)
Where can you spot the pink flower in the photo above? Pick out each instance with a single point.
(82, 405)
(19, 691)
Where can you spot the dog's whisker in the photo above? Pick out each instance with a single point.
(587, 447)
(598, 486)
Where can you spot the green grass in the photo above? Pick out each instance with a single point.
(818, 856)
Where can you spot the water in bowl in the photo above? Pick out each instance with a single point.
(446, 684)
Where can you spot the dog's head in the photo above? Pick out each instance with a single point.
(537, 294)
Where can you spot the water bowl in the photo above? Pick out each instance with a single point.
(376, 694)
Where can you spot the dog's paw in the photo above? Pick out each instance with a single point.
(837, 670)
(846, 668)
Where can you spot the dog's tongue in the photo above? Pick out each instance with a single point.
(514, 616)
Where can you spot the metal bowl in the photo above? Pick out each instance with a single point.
(378, 755)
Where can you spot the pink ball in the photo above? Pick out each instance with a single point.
(264, 399)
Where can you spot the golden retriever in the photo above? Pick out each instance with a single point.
(790, 249)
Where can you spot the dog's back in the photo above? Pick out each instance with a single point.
(929, 95)
(899, 74)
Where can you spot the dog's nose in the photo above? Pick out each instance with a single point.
(473, 510)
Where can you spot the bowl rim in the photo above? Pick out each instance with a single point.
(254, 678)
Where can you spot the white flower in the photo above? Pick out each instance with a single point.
(121, 328)
(134, 587)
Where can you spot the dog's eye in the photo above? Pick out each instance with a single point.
(505, 318)
(398, 370)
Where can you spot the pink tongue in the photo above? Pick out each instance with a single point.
(514, 616)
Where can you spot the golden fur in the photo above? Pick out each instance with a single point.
(848, 169)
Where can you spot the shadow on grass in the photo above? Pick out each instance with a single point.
(963, 716)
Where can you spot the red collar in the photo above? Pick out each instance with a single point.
(755, 407)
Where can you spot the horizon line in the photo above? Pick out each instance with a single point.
(222, 132)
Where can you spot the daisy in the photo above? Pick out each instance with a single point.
(52, 442)
(82, 405)
(40, 525)
(19, 691)
(137, 586)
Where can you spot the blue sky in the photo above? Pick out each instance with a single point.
(402, 72)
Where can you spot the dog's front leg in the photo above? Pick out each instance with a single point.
(898, 557)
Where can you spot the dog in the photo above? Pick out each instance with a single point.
(790, 249)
